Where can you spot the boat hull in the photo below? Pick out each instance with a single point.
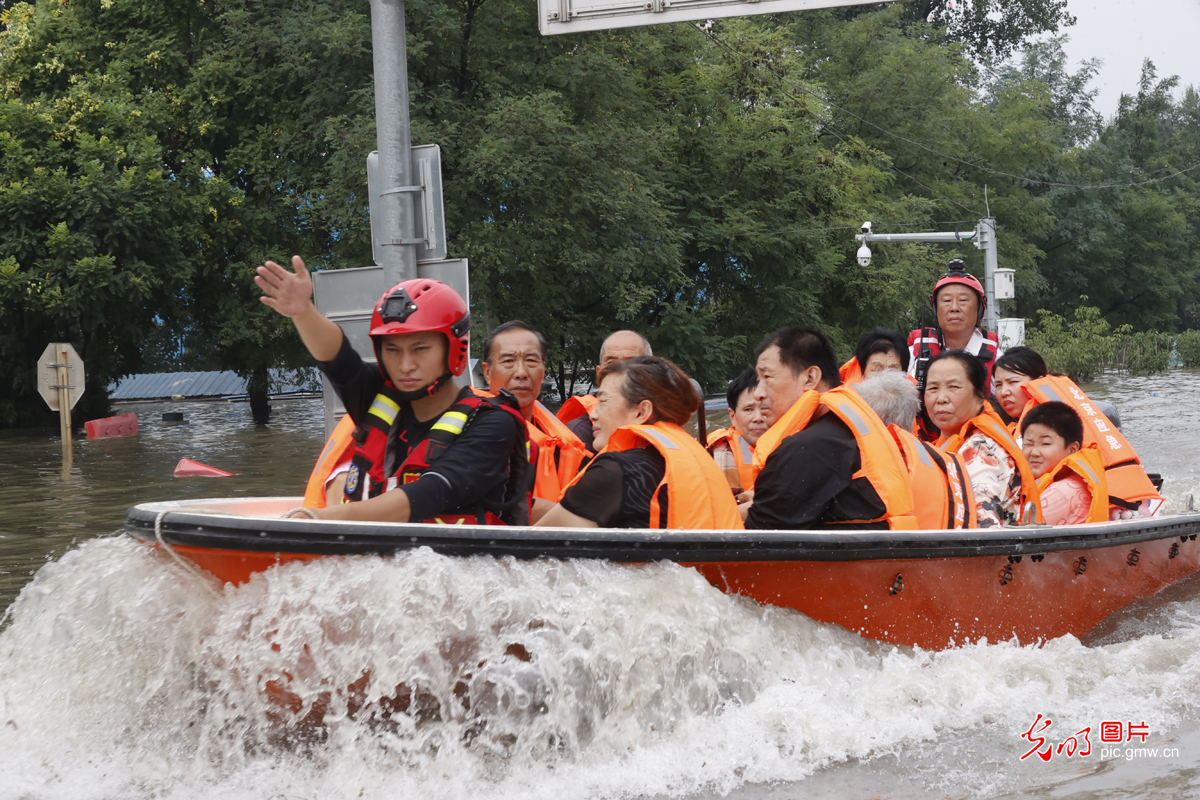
(932, 589)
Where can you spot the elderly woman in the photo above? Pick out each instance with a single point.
(650, 473)
(1017, 367)
(955, 394)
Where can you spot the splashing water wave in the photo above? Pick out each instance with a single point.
(122, 676)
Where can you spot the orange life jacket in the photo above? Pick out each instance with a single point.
(1087, 464)
(794, 420)
(941, 487)
(990, 424)
(743, 454)
(1128, 485)
(882, 464)
(851, 372)
(366, 477)
(560, 454)
(577, 405)
(336, 450)
(698, 495)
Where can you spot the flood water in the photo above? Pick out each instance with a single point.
(122, 676)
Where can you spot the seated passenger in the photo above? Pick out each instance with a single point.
(1017, 367)
(733, 447)
(877, 350)
(955, 392)
(1070, 477)
(940, 484)
(514, 358)
(650, 473)
(619, 346)
(1130, 489)
(424, 450)
(827, 460)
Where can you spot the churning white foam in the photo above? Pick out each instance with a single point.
(123, 676)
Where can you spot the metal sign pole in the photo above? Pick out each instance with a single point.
(398, 255)
(985, 240)
(64, 401)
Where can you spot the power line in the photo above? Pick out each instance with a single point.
(1081, 187)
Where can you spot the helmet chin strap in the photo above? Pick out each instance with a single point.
(425, 391)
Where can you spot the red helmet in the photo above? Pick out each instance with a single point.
(424, 305)
(958, 274)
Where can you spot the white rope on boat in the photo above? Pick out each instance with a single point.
(311, 514)
(191, 568)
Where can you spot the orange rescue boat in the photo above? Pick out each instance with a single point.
(930, 589)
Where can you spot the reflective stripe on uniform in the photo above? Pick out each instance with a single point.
(451, 422)
(384, 408)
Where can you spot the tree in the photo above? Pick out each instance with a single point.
(99, 238)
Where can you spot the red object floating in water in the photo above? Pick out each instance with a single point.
(124, 425)
(186, 468)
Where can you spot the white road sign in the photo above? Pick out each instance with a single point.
(48, 374)
(570, 16)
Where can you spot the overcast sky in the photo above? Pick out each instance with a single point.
(1124, 32)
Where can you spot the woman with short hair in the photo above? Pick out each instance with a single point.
(955, 399)
(649, 473)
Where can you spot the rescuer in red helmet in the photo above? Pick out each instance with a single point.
(958, 303)
(423, 449)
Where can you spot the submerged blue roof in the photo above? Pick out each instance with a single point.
(224, 383)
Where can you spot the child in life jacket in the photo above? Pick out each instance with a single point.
(1070, 477)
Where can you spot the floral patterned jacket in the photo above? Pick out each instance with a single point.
(995, 480)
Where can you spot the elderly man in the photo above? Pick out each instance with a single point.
(619, 346)
(514, 358)
(827, 460)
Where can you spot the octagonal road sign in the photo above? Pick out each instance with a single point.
(47, 374)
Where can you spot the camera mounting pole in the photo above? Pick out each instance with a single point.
(984, 238)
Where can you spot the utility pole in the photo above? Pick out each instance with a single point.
(398, 253)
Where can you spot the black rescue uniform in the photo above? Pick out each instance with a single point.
(472, 472)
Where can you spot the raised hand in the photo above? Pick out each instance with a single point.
(289, 293)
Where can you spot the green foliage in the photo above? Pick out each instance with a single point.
(1187, 345)
(1142, 353)
(152, 155)
(1076, 349)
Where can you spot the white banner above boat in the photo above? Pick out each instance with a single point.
(570, 16)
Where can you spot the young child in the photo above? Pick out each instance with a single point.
(1070, 476)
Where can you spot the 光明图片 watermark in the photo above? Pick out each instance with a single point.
(1080, 744)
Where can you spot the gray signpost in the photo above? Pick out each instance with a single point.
(61, 381)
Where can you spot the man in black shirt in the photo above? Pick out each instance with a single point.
(425, 449)
(807, 480)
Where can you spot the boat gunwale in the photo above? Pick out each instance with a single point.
(188, 524)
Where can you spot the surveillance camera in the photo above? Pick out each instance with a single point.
(866, 227)
(864, 255)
